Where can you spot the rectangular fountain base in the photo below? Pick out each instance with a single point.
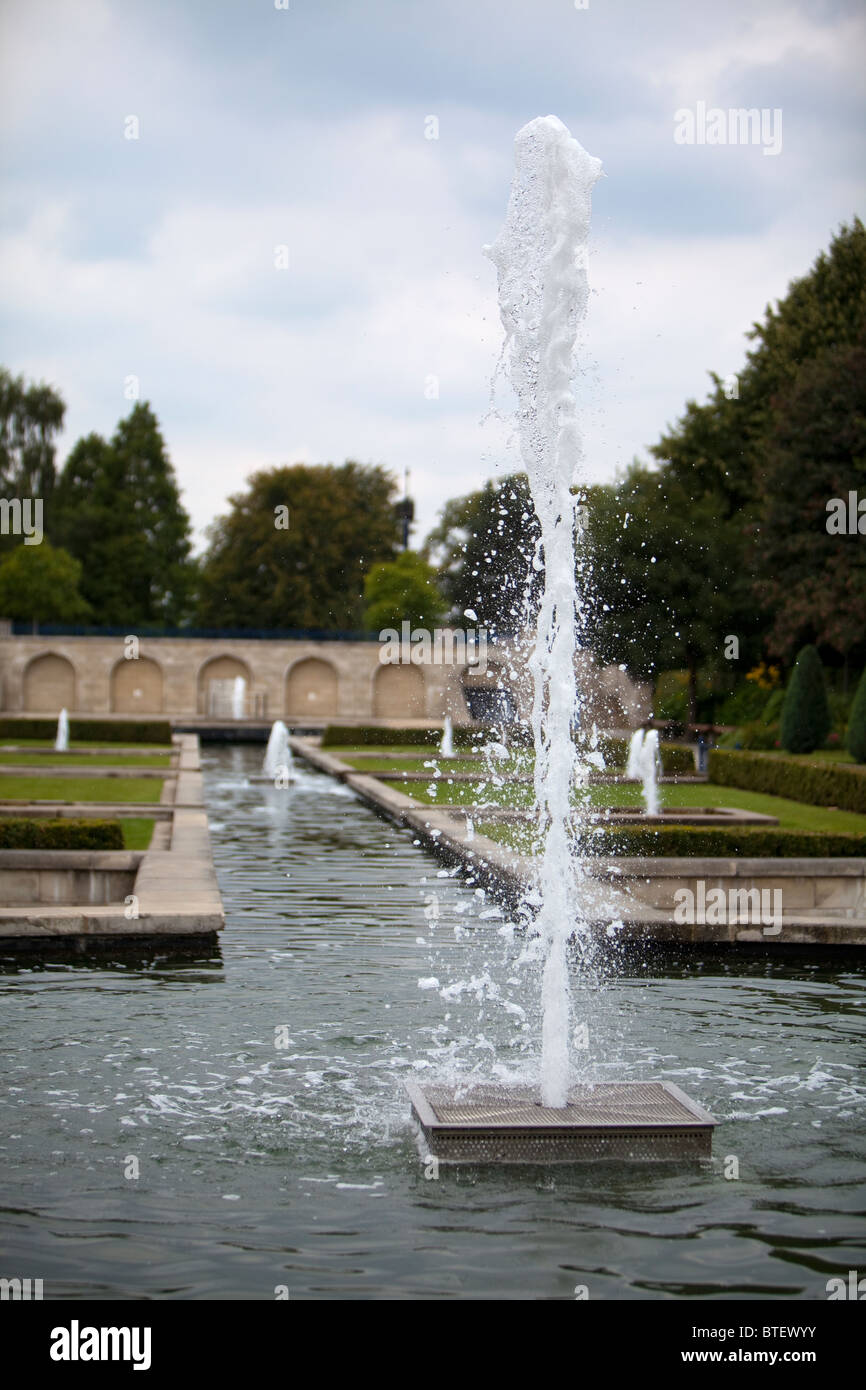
(633, 1121)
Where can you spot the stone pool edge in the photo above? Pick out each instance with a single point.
(821, 887)
(175, 894)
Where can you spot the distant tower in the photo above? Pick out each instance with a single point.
(405, 509)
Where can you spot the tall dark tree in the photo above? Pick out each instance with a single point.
(856, 736)
(658, 575)
(485, 544)
(30, 417)
(295, 548)
(118, 511)
(805, 721)
(813, 561)
(743, 455)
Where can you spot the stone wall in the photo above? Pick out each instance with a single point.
(305, 682)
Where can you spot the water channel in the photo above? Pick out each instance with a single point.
(259, 1089)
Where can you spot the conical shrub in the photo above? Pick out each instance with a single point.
(857, 724)
(805, 719)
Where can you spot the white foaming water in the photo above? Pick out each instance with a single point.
(278, 755)
(239, 698)
(446, 748)
(540, 259)
(643, 762)
(61, 742)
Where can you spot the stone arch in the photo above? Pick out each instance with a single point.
(136, 686)
(311, 689)
(49, 684)
(215, 681)
(399, 692)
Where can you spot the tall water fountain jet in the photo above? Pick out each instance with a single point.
(239, 698)
(278, 755)
(61, 742)
(446, 748)
(542, 293)
(643, 764)
(540, 256)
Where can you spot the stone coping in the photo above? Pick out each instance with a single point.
(176, 893)
(64, 770)
(163, 750)
(119, 860)
(87, 810)
(620, 815)
(612, 904)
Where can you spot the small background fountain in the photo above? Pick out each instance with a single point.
(61, 742)
(278, 765)
(643, 764)
(446, 747)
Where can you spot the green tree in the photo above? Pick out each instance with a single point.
(118, 510)
(30, 417)
(721, 449)
(295, 547)
(41, 584)
(812, 580)
(485, 543)
(806, 718)
(856, 739)
(658, 574)
(403, 590)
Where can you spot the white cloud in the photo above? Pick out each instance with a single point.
(158, 260)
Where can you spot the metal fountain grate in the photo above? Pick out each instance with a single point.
(627, 1120)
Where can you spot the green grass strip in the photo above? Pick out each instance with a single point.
(14, 788)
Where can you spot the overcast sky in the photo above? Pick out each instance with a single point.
(306, 127)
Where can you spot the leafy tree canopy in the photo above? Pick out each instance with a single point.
(30, 418)
(658, 574)
(41, 584)
(118, 510)
(295, 547)
(485, 543)
(403, 590)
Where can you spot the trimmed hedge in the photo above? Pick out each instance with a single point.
(687, 841)
(817, 783)
(348, 736)
(20, 833)
(92, 730)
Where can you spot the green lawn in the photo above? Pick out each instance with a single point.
(137, 833)
(13, 788)
(792, 815)
(468, 793)
(87, 759)
(385, 764)
(419, 750)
